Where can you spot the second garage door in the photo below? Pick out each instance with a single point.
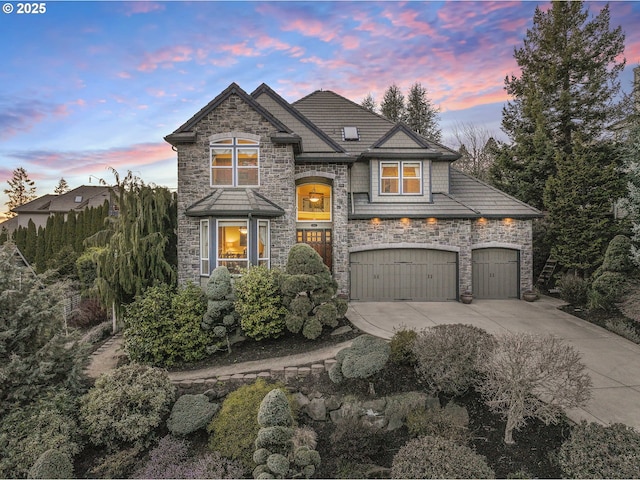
(404, 274)
(495, 273)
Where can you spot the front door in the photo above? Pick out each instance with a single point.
(320, 240)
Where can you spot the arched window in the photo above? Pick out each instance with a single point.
(314, 202)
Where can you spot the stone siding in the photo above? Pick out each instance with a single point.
(460, 235)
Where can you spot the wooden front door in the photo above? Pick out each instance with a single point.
(320, 241)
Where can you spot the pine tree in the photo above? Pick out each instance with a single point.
(62, 187)
(369, 103)
(21, 190)
(570, 64)
(421, 115)
(392, 105)
(579, 201)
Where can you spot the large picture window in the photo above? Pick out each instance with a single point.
(233, 245)
(400, 178)
(234, 163)
(314, 202)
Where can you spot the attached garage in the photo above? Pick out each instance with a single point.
(495, 273)
(410, 274)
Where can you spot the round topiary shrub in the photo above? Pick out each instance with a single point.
(366, 356)
(191, 413)
(446, 356)
(596, 451)
(234, 428)
(52, 464)
(607, 290)
(617, 257)
(434, 457)
(126, 405)
(275, 410)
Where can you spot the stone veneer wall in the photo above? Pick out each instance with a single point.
(461, 235)
(276, 178)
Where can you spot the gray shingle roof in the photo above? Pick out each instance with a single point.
(87, 196)
(234, 202)
(468, 198)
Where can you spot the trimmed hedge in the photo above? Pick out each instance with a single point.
(191, 413)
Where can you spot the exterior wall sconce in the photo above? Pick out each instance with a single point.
(431, 221)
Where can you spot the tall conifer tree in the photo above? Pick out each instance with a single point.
(21, 190)
(392, 105)
(421, 115)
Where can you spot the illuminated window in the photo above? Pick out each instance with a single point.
(400, 178)
(263, 243)
(234, 163)
(232, 245)
(314, 202)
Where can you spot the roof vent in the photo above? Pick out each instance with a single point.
(350, 134)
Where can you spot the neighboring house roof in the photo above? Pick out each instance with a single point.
(10, 225)
(468, 198)
(234, 202)
(79, 198)
(186, 133)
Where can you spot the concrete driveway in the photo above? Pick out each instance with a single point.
(612, 361)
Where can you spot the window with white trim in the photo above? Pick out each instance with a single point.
(204, 247)
(400, 178)
(235, 162)
(264, 242)
(233, 244)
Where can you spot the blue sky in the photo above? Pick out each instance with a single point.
(90, 85)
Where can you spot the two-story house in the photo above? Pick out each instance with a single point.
(383, 206)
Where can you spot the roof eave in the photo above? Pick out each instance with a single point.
(180, 138)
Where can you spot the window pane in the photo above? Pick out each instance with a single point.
(314, 202)
(204, 247)
(243, 141)
(247, 157)
(222, 176)
(263, 240)
(232, 240)
(389, 185)
(221, 158)
(226, 141)
(411, 185)
(389, 169)
(411, 170)
(248, 176)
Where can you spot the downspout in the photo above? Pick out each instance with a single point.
(250, 257)
(353, 207)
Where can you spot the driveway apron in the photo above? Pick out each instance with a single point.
(612, 361)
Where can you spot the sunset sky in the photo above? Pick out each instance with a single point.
(90, 85)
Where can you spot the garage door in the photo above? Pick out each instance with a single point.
(404, 274)
(495, 273)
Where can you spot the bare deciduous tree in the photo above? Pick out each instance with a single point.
(476, 143)
(532, 376)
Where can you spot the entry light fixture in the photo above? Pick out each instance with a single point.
(315, 197)
(243, 230)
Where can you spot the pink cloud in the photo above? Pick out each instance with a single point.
(124, 75)
(408, 19)
(165, 58)
(350, 42)
(132, 8)
(19, 116)
(239, 49)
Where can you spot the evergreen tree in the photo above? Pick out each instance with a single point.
(70, 229)
(20, 238)
(631, 156)
(21, 190)
(392, 105)
(421, 114)
(62, 187)
(41, 260)
(140, 244)
(579, 201)
(569, 65)
(31, 241)
(4, 235)
(369, 103)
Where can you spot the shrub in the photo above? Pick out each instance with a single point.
(573, 289)
(624, 329)
(234, 429)
(532, 376)
(52, 464)
(191, 413)
(354, 441)
(27, 432)
(450, 422)
(596, 451)
(617, 257)
(366, 356)
(171, 459)
(162, 328)
(309, 293)
(431, 457)
(606, 290)
(259, 303)
(88, 314)
(126, 405)
(446, 356)
(118, 464)
(401, 346)
(221, 318)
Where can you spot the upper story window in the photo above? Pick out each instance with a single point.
(400, 178)
(314, 202)
(234, 162)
